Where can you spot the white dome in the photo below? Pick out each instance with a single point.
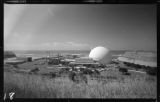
(98, 53)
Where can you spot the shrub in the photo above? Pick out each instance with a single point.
(35, 70)
(77, 77)
(53, 75)
(126, 73)
(124, 70)
(9, 54)
(152, 71)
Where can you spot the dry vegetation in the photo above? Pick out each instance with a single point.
(114, 85)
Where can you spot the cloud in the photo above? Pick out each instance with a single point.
(77, 44)
(66, 46)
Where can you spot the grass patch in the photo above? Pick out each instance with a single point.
(34, 86)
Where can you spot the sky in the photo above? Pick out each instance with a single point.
(80, 26)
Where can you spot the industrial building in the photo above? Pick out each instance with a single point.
(88, 62)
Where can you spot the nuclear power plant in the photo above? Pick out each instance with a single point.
(75, 65)
(144, 61)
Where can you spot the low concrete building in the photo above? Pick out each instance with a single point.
(88, 62)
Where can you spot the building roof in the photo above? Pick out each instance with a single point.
(84, 61)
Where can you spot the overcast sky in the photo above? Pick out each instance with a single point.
(80, 27)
